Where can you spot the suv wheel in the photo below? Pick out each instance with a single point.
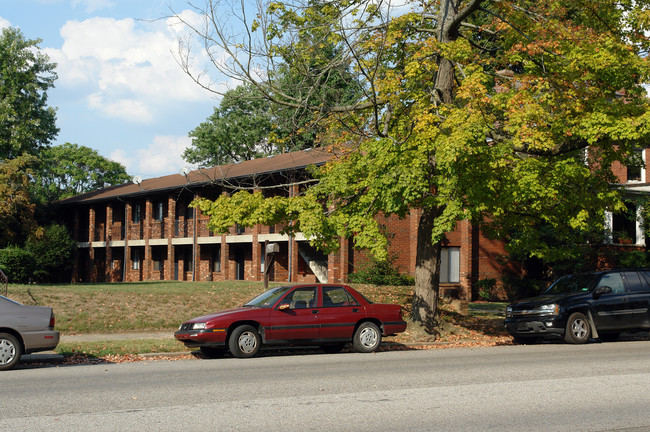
(577, 329)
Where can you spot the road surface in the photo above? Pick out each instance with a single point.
(550, 387)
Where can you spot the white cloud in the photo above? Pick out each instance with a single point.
(125, 67)
(162, 157)
(4, 23)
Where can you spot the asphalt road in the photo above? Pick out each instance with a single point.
(551, 387)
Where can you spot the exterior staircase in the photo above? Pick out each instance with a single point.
(316, 262)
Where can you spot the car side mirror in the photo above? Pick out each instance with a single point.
(284, 307)
(601, 290)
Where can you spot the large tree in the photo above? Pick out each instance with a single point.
(16, 207)
(71, 169)
(470, 108)
(27, 123)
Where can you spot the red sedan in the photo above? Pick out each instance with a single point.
(327, 315)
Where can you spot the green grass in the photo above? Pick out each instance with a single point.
(154, 306)
(162, 305)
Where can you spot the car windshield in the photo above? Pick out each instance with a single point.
(268, 298)
(573, 284)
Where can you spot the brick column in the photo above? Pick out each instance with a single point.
(147, 264)
(169, 233)
(465, 228)
(92, 273)
(128, 213)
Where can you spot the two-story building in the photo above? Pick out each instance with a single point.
(146, 230)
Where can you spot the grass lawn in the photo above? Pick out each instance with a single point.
(161, 306)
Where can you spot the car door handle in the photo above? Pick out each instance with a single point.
(355, 310)
(314, 311)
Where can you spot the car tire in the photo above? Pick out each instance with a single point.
(367, 338)
(577, 329)
(10, 351)
(212, 352)
(244, 342)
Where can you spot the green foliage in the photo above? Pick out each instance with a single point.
(53, 249)
(507, 115)
(237, 130)
(70, 169)
(486, 288)
(27, 124)
(633, 259)
(380, 273)
(18, 264)
(16, 208)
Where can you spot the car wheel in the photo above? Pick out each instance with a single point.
(10, 351)
(212, 352)
(333, 348)
(367, 338)
(577, 329)
(244, 342)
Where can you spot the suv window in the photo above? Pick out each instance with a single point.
(614, 281)
(634, 282)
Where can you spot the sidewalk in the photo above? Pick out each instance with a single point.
(52, 357)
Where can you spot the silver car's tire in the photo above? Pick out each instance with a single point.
(577, 329)
(367, 338)
(244, 342)
(10, 351)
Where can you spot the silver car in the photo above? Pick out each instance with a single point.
(23, 330)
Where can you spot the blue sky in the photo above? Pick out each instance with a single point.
(119, 89)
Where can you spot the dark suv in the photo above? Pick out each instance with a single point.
(580, 306)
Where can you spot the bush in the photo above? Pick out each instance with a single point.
(380, 273)
(18, 264)
(517, 288)
(486, 288)
(53, 249)
(633, 259)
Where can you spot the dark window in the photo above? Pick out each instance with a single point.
(635, 168)
(136, 213)
(158, 211)
(135, 259)
(634, 282)
(216, 259)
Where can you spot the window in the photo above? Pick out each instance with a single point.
(450, 265)
(136, 213)
(216, 259)
(135, 259)
(614, 281)
(158, 211)
(301, 298)
(337, 296)
(188, 260)
(624, 225)
(157, 258)
(636, 169)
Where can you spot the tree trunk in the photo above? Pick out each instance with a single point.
(427, 273)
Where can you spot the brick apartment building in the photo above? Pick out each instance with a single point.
(146, 231)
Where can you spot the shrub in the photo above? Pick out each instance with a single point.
(380, 273)
(486, 288)
(18, 264)
(633, 259)
(53, 249)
